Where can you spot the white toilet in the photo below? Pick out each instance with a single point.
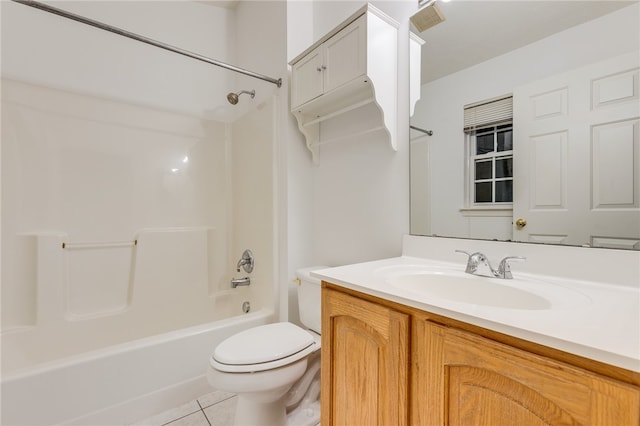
(262, 364)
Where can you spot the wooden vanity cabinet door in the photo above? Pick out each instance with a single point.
(365, 367)
(460, 378)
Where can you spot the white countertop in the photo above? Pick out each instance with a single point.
(594, 320)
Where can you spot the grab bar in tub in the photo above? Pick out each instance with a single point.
(106, 244)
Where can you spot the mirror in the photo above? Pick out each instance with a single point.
(566, 168)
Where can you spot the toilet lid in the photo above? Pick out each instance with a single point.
(263, 344)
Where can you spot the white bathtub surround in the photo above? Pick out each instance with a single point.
(597, 316)
(110, 245)
(88, 179)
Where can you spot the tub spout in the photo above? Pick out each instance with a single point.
(235, 282)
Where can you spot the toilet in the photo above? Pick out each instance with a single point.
(273, 368)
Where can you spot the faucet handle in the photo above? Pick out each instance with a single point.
(474, 259)
(463, 252)
(246, 262)
(504, 270)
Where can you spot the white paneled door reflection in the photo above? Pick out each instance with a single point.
(577, 156)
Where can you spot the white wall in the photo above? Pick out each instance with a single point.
(300, 33)
(442, 102)
(360, 189)
(353, 206)
(69, 55)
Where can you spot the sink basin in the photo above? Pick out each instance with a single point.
(470, 289)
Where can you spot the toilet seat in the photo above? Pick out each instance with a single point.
(263, 348)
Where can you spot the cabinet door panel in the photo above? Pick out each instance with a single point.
(345, 55)
(356, 366)
(306, 78)
(364, 362)
(504, 401)
(467, 379)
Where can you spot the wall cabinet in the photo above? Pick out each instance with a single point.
(338, 74)
(334, 63)
(448, 372)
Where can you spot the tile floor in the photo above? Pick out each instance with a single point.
(213, 409)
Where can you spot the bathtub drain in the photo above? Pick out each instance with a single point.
(246, 307)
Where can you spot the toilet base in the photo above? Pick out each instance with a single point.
(253, 413)
(261, 395)
(307, 412)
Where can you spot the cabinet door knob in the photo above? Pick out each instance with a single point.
(319, 69)
(521, 223)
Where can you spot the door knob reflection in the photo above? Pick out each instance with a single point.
(521, 223)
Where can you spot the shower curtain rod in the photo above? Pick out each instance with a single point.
(428, 132)
(134, 36)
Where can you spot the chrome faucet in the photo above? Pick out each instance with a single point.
(246, 262)
(478, 264)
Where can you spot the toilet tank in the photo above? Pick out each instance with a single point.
(309, 298)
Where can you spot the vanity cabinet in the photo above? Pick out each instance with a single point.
(449, 372)
(466, 379)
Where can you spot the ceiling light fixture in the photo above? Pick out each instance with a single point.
(427, 16)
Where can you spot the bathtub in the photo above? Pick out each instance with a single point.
(122, 383)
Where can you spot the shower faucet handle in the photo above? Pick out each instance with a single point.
(246, 262)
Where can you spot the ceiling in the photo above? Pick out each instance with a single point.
(477, 30)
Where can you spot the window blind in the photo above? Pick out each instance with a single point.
(493, 112)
